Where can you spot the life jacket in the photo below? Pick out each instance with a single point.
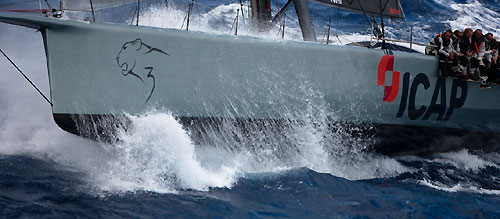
(477, 47)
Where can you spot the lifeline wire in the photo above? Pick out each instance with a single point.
(26, 77)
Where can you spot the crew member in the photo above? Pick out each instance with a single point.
(469, 62)
(488, 38)
(480, 51)
(457, 35)
(456, 69)
(494, 70)
(490, 52)
(445, 52)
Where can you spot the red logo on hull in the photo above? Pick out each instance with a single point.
(394, 11)
(387, 64)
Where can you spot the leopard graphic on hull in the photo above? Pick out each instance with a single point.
(127, 61)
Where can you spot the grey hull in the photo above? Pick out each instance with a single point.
(109, 69)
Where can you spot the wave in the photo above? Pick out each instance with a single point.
(458, 188)
(460, 171)
(467, 161)
(156, 154)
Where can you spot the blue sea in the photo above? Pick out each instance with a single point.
(157, 169)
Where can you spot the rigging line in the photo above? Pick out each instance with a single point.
(329, 26)
(394, 26)
(133, 16)
(285, 8)
(406, 21)
(185, 17)
(385, 6)
(40, 3)
(47, 2)
(279, 11)
(26, 77)
(355, 43)
(236, 29)
(284, 24)
(337, 21)
(281, 25)
(364, 13)
(327, 30)
(235, 21)
(242, 15)
(189, 14)
(322, 38)
(138, 12)
(92, 8)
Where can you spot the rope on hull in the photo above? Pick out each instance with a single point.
(26, 77)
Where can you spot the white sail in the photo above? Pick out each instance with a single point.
(84, 5)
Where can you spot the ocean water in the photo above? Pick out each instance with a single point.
(157, 170)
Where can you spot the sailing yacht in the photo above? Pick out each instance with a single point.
(101, 71)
